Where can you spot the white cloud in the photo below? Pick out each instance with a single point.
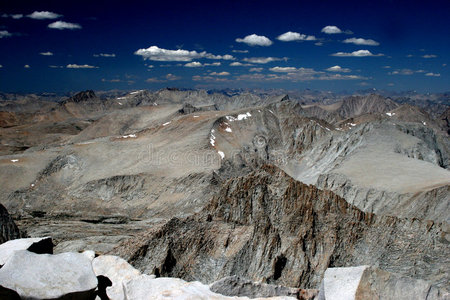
(75, 66)
(255, 40)
(433, 74)
(27, 66)
(104, 55)
(1, 66)
(331, 29)
(55, 67)
(361, 41)
(219, 74)
(409, 55)
(391, 84)
(239, 64)
(194, 64)
(48, 53)
(359, 53)
(42, 15)
(300, 74)
(261, 60)
(318, 44)
(4, 33)
(172, 77)
(158, 54)
(214, 64)
(283, 69)
(295, 36)
(429, 56)
(402, 72)
(255, 69)
(240, 51)
(154, 79)
(338, 69)
(14, 16)
(386, 67)
(63, 25)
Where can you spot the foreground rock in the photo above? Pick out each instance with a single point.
(146, 286)
(117, 270)
(44, 276)
(38, 245)
(237, 286)
(268, 227)
(366, 282)
(8, 229)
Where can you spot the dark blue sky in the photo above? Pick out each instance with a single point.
(396, 45)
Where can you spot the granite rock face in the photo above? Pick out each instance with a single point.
(237, 286)
(267, 227)
(117, 270)
(44, 276)
(366, 282)
(8, 229)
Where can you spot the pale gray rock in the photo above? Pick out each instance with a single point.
(148, 287)
(43, 276)
(367, 282)
(38, 245)
(117, 270)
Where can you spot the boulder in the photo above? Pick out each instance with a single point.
(8, 229)
(117, 270)
(43, 276)
(38, 245)
(237, 286)
(367, 282)
(148, 287)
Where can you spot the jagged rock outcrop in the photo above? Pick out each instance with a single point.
(38, 245)
(82, 96)
(366, 282)
(43, 276)
(8, 229)
(268, 227)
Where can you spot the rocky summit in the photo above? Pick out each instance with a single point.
(224, 194)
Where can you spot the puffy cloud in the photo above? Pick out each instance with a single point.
(331, 29)
(295, 36)
(359, 53)
(429, 56)
(55, 67)
(154, 79)
(219, 74)
(255, 69)
(240, 51)
(361, 41)
(172, 77)
(61, 25)
(158, 54)
(239, 64)
(433, 74)
(75, 66)
(261, 60)
(48, 53)
(255, 40)
(194, 64)
(338, 69)
(27, 66)
(4, 33)
(104, 55)
(14, 16)
(214, 64)
(42, 15)
(283, 69)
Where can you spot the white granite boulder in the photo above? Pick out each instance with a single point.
(117, 270)
(44, 276)
(38, 245)
(163, 288)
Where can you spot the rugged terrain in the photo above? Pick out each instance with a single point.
(202, 185)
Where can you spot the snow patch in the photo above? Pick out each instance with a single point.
(228, 129)
(195, 116)
(14, 160)
(240, 117)
(129, 136)
(120, 103)
(352, 124)
(167, 123)
(32, 185)
(222, 155)
(136, 92)
(390, 114)
(424, 123)
(212, 139)
(121, 98)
